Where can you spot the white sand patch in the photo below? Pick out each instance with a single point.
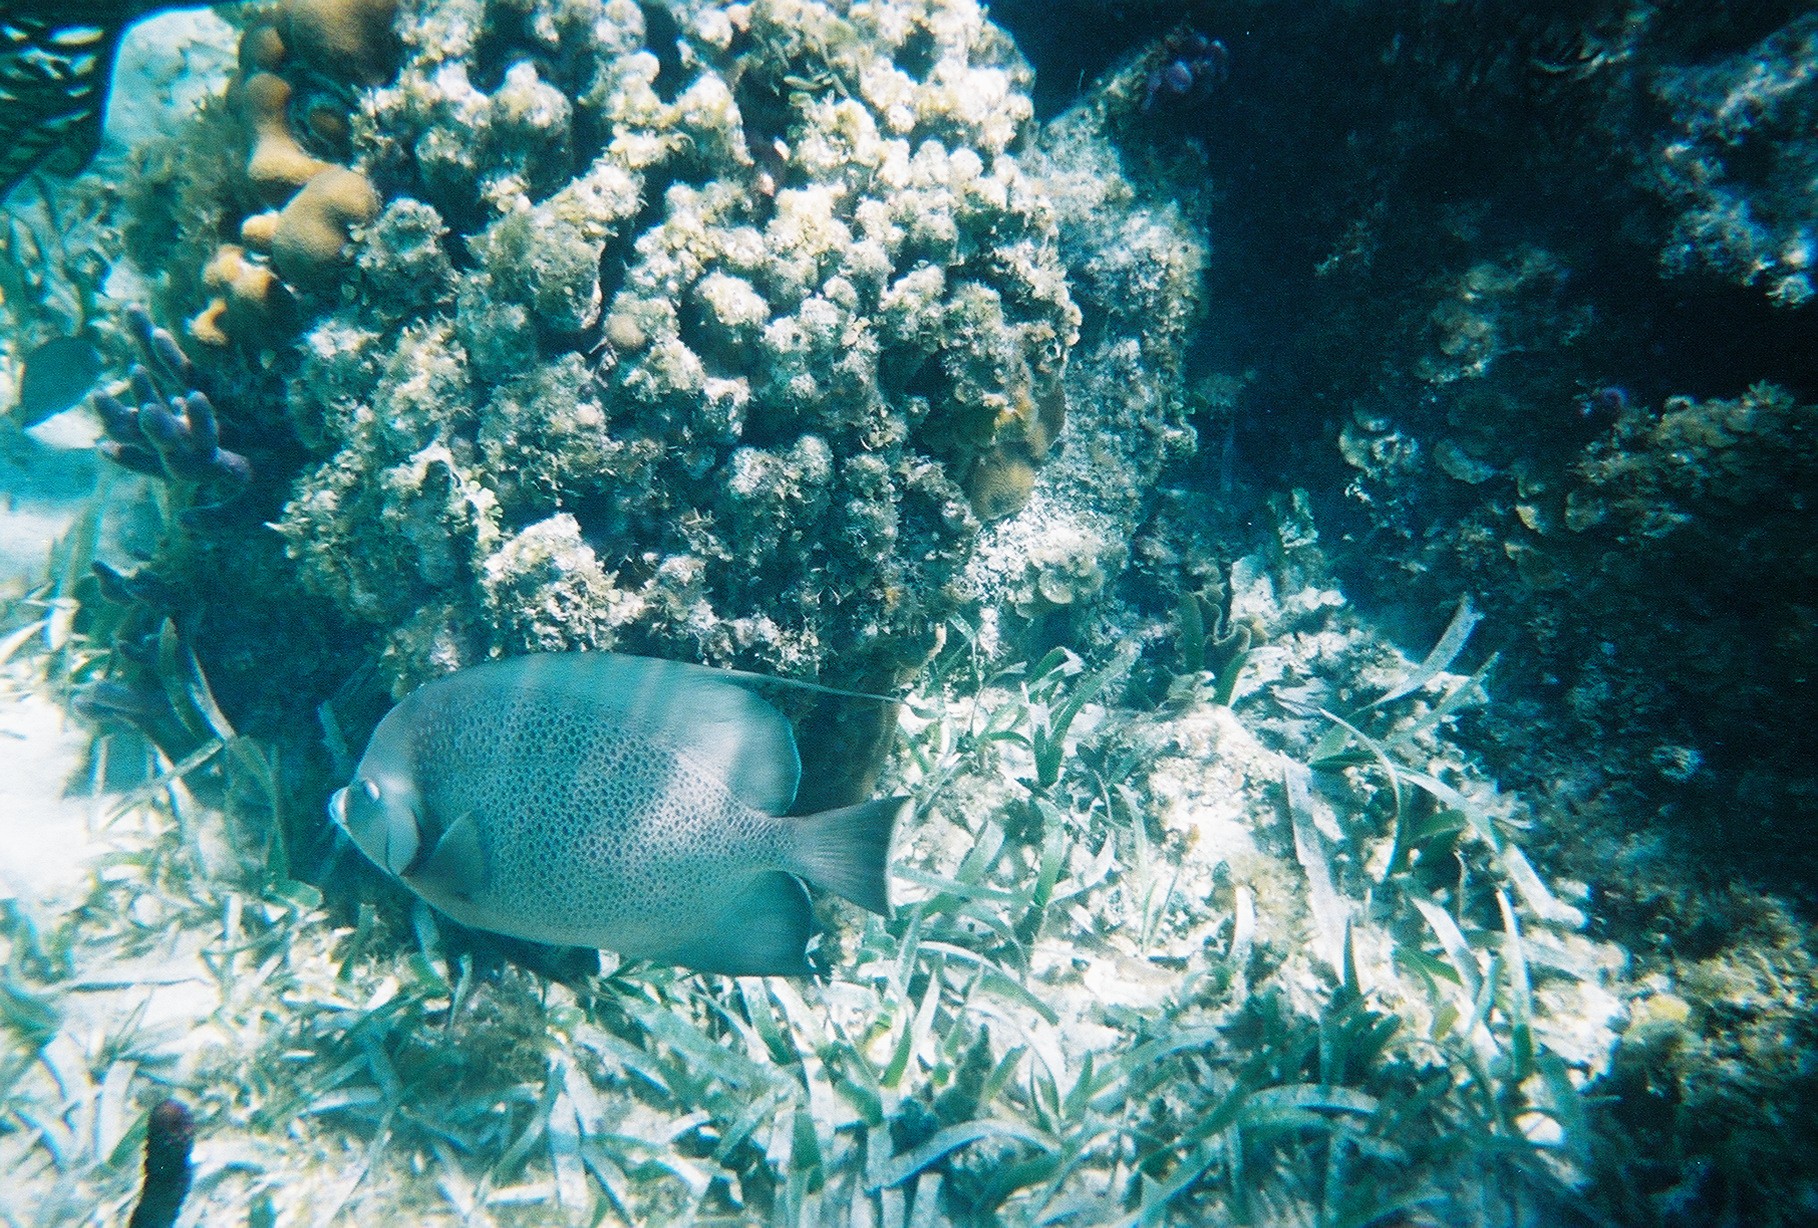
(44, 832)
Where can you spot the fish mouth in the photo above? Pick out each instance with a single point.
(337, 808)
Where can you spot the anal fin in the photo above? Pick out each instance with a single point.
(764, 932)
(847, 851)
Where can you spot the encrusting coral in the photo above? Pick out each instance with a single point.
(730, 354)
(278, 164)
(349, 38)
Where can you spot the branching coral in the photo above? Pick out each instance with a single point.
(167, 435)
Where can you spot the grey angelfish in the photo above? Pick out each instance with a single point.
(601, 800)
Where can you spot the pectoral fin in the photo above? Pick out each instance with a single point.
(456, 866)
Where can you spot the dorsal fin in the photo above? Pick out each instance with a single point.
(702, 713)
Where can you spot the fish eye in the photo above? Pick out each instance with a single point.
(346, 804)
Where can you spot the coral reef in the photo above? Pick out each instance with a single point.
(725, 334)
(780, 334)
(288, 111)
(653, 366)
(1467, 331)
(1740, 163)
(1713, 1087)
(1612, 528)
(741, 349)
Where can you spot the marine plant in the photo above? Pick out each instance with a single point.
(964, 1061)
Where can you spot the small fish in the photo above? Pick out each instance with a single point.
(58, 374)
(601, 800)
(56, 65)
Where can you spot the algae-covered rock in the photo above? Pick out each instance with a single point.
(775, 317)
(724, 329)
(1135, 249)
(1740, 162)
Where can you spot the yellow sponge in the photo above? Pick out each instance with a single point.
(348, 37)
(249, 299)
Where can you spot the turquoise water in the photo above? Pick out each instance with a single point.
(1308, 505)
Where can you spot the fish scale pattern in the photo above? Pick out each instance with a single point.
(589, 831)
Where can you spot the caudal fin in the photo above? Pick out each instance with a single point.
(847, 851)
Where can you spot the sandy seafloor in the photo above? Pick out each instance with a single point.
(335, 1086)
